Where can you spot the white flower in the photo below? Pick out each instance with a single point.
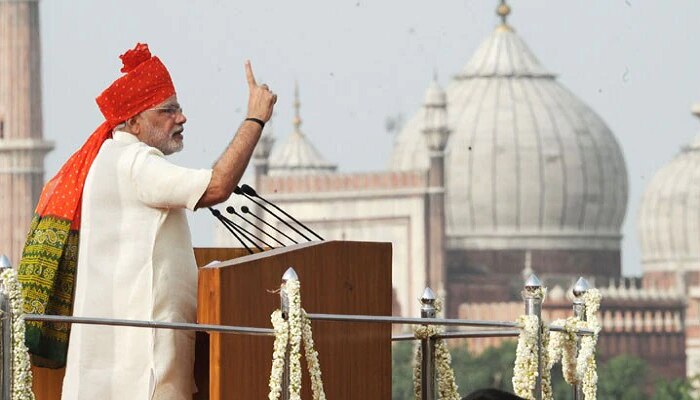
(526, 359)
(578, 368)
(289, 335)
(21, 366)
(279, 349)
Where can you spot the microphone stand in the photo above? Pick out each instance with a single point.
(246, 189)
(217, 214)
(232, 210)
(246, 210)
(273, 214)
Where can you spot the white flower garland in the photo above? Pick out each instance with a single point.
(289, 334)
(547, 393)
(446, 385)
(526, 363)
(295, 323)
(586, 372)
(21, 366)
(559, 346)
(525, 370)
(562, 347)
(278, 351)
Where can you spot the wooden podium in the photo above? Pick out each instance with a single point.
(337, 277)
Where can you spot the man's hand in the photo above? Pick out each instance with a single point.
(260, 100)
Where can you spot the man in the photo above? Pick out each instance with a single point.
(135, 258)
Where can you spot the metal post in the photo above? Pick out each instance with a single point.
(427, 375)
(580, 288)
(289, 275)
(533, 306)
(6, 318)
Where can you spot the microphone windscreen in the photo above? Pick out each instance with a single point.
(230, 210)
(245, 209)
(248, 190)
(237, 190)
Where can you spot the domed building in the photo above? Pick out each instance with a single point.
(503, 173)
(669, 227)
(528, 166)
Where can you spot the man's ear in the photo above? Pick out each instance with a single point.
(134, 125)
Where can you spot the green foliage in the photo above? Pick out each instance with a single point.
(677, 389)
(402, 371)
(624, 377)
(492, 368)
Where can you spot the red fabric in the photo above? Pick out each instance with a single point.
(146, 84)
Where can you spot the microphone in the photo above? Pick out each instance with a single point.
(218, 216)
(251, 192)
(287, 224)
(232, 210)
(246, 210)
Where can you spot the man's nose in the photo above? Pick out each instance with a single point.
(181, 118)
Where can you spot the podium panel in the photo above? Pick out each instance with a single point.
(337, 277)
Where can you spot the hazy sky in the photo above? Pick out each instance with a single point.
(637, 63)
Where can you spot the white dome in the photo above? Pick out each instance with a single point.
(669, 217)
(528, 165)
(298, 156)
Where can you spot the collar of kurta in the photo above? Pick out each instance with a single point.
(130, 138)
(125, 137)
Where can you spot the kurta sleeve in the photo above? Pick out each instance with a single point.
(162, 184)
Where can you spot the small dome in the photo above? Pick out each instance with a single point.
(527, 163)
(297, 156)
(669, 216)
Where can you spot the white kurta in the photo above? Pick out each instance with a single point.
(135, 262)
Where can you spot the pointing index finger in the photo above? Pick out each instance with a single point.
(249, 75)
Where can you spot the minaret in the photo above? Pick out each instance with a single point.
(297, 156)
(22, 148)
(296, 121)
(436, 133)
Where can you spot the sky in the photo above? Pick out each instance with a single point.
(635, 62)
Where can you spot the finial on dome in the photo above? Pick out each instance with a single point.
(297, 104)
(503, 11)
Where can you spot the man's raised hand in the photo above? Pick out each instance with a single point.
(261, 100)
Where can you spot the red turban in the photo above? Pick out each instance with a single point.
(49, 259)
(146, 84)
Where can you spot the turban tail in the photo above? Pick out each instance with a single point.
(48, 267)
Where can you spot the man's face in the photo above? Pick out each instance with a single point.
(162, 126)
